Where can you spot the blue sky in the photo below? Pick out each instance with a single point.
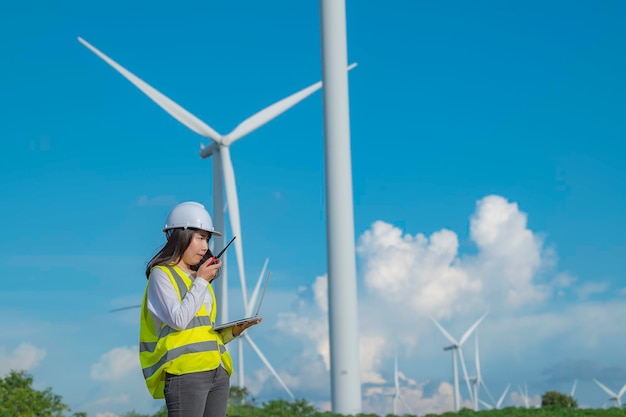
(487, 150)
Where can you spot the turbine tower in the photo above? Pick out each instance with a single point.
(456, 348)
(616, 398)
(223, 172)
(396, 383)
(342, 297)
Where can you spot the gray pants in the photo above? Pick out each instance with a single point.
(199, 394)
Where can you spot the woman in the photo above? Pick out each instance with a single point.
(183, 359)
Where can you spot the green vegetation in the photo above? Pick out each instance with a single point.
(558, 399)
(18, 398)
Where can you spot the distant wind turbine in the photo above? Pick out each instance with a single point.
(396, 395)
(502, 397)
(615, 398)
(524, 394)
(498, 404)
(456, 347)
(477, 380)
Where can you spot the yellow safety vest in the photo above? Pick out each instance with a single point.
(194, 349)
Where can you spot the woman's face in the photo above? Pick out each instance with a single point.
(197, 248)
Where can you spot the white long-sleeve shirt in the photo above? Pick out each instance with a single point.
(165, 307)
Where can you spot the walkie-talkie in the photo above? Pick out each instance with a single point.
(207, 255)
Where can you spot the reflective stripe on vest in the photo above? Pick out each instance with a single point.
(175, 353)
(165, 330)
(194, 349)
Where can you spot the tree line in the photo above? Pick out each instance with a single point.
(18, 398)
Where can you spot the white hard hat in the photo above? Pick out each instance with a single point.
(190, 215)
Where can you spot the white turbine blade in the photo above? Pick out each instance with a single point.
(445, 333)
(467, 382)
(176, 111)
(396, 381)
(471, 329)
(271, 112)
(503, 396)
(257, 287)
(526, 397)
(607, 390)
(406, 406)
(523, 396)
(487, 390)
(571, 393)
(233, 215)
(486, 405)
(268, 365)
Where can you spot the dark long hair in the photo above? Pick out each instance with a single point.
(178, 241)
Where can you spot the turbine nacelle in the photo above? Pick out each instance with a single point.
(207, 151)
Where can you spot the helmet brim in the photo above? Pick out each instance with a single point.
(212, 232)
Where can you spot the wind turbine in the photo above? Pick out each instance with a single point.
(456, 347)
(248, 312)
(248, 338)
(498, 404)
(223, 172)
(616, 398)
(525, 394)
(477, 381)
(396, 395)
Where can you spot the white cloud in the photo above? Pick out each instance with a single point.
(512, 274)
(116, 364)
(314, 331)
(429, 275)
(589, 289)
(320, 292)
(414, 271)
(379, 400)
(24, 357)
(518, 399)
(118, 399)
